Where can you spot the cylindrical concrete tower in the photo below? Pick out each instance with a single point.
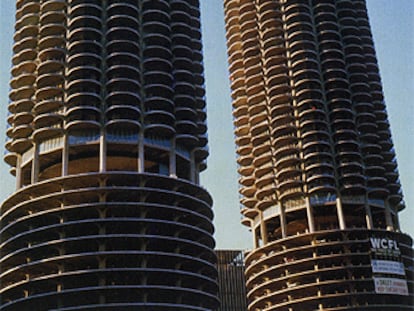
(318, 175)
(107, 137)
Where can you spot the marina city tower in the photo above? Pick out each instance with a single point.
(318, 176)
(106, 139)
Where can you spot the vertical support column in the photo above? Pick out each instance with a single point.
(141, 153)
(368, 216)
(283, 224)
(102, 151)
(340, 212)
(263, 229)
(19, 172)
(193, 169)
(65, 155)
(35, 164)
(397, 224)
(309, 212)
(173, 160)
(254, 235)
(388, 218)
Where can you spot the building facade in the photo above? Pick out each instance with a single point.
(106, 138)
(318, 175)
(232, 285)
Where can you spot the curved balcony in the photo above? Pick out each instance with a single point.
(26, 7)
(185, 113)
(122, 33)
(27, 19)
(266, 195)
(21, 131)
(159, 90)
(26, 54)
(49, 85)
(152, 14)
(352, 184)
(21, 118)
(92, 8)
(10, 158)
(51, 59)
(83, 21)
(186, 127)
(333, 64)
(84, 34)
(25, 44)
(117, 113)
(179, 49)
(81, 89)
(24, 92)
(19, 145)
(127, 98)
(52, 41)
(52, 28)
(84, 59)
(266, 6)
(116, 125)
(186, 89)
(115, 20)
(48, 132)
(159, 122)
(82, 118)
(121, 84)
(21, 105)
(300, 14)
(116, 47)
(187, 140)
(376, 188)
(292, 171)
(25, 79)
(156, 102)
(53, 5)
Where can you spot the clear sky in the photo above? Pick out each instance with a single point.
(392, 23)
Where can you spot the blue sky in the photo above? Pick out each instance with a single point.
(392, 23)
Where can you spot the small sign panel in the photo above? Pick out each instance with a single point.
(391, 286)
(387, 266)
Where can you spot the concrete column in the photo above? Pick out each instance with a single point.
(341, 217)
(254, 235)
(141, 153)
(283, 225)
(102, 151)
(263, 229)
(65, 155)
(397, 224)
(35, 164)
(388, 218)
(19, 172)
(309, 212)
(173, 161)
(368, 216)
(193, 169)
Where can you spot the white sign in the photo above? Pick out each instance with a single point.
(391, 286)
(387, 266)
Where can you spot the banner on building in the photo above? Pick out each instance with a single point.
(387, 266)
(391, 286)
